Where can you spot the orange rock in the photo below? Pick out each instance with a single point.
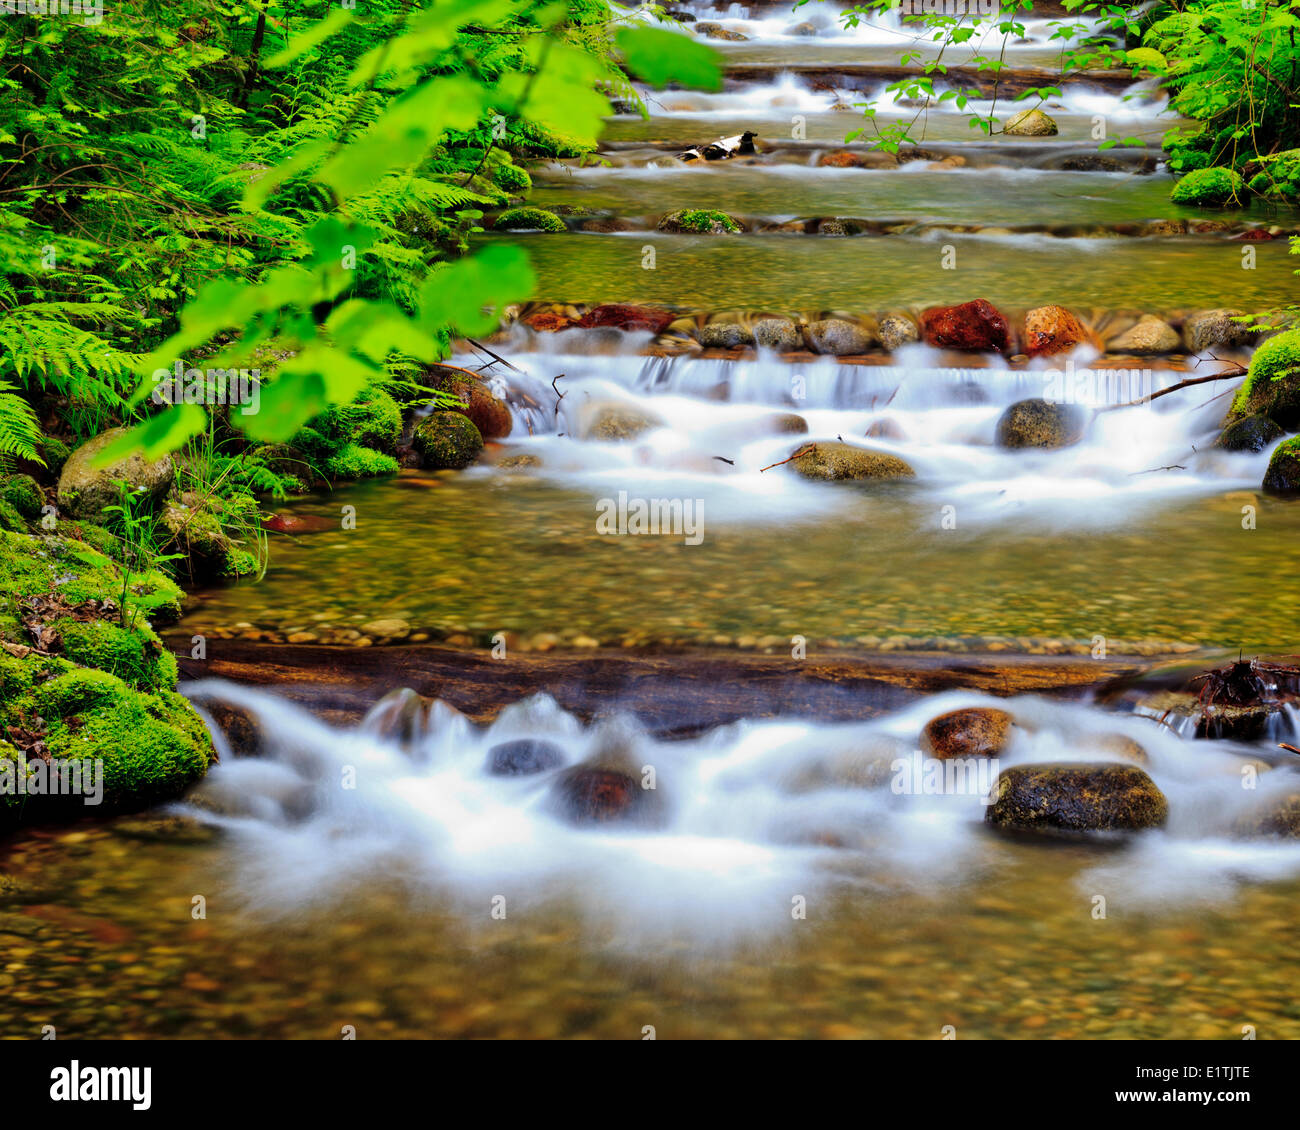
(1054, 329)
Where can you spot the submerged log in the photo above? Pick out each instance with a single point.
(673, 695)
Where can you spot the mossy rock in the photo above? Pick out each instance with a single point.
(700, 221)
(24, 494)
(511, 179)
(529, 219)
(151, 746)
(210, 552)
(357, 462)
(10, 519)
(373, 420)
(1279, 178)
(839, 462)
(616, 422)
(1076, 798)
(447, 441)
(77, 573)
(1272, 384)
(135, 654)
(1283, 475)
(1040, 423)
(84, 490)
(1251, 433)
(1210, 188)
(490, 414)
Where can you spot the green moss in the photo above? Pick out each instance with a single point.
(1283, 476)
(512, 179)
(1217, 187)
(358, 462)
(703, 221)
(1272, 384)
(1280, 176)
(529, 219)
(134, 655)
(110, 694)
(10, 519)
(24, 494)
(447, 441)
(372, 420)
(55, 452)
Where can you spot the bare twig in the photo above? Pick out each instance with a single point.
(808, 447)
(1237, 371)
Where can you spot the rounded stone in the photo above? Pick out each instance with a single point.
(979, 731)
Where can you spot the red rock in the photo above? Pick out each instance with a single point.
(840, 159)
(1255, 235)
(299, 524)
(599, 796)
(975, 327)
(625, 317)
(547, 321)
(1053, 329)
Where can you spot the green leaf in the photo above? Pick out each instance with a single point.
(157, 436)
(305, 41)
(662, 57)
(457, 294)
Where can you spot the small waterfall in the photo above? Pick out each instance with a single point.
(744, 816)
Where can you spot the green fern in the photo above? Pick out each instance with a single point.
(20, 431)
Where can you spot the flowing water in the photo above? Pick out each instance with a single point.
(792, 883)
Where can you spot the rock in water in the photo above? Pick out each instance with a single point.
(616, 422)
(1209, 328)
(979, 731)
(1150, 335)
(400, 717)
(725, 335)
(836, 462)
(487, 412)
(1053, 329)
(447, 441)
(1073, 798)
(780, 334)
(588, 795)
(626, 317)
(84, 490)
(1029, 123)
(1040, 423)
(974, 327)
(524, 757)
(897, 330)
(1283, 476)
(1253, 434)
(1281, 817)
(839, 338)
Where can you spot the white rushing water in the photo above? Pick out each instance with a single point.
(748, 816)
(719, 418)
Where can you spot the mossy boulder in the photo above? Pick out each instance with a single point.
(839, 462)
(1272, 384)
(490, 414)
(1279, 176)
(150, 746)
(10, 519)
(1210, 188)
(356, 461)
(1030, 123)
(1283, 475)
(24, 494)
(511, 178)
(84, 490)
(1251, 433)
(1074, 798)
(447, 441)
(78, 685)
(529, 219)
(210, 552)
(1040, 423)
(700, 221)
(373, 420)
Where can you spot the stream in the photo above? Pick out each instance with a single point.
(377, 873)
